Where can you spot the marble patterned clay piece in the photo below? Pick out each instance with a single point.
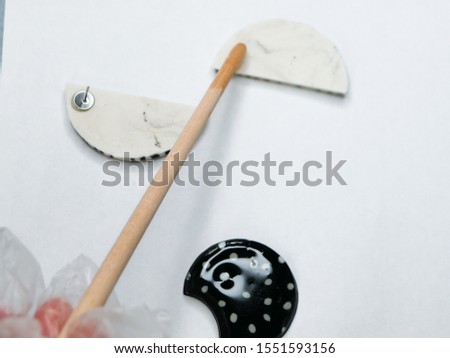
(248, 287)
(127, 127)
(290, 53)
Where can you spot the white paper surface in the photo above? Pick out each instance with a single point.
(371, 258)
(2, 16)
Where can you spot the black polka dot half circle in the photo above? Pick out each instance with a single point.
(248, 287)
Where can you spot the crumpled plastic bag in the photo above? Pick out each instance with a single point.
(21, 280)
(20, 327)
(72, 280)
(27, 309)
(63, 293)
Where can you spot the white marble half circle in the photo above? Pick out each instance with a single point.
(128, 127)
(291, 53)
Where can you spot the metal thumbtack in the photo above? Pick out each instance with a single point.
(83, 100)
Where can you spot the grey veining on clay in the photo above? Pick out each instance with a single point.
(117, 124)
(289, 52)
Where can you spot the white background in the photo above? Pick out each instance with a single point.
(371, 258)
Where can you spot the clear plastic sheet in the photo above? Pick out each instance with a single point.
(28, 309)
(21, 280)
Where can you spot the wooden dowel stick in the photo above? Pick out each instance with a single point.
(108, 274)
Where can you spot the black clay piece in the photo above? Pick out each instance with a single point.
(248, 287)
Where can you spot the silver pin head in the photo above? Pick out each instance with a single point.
(83, 100)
